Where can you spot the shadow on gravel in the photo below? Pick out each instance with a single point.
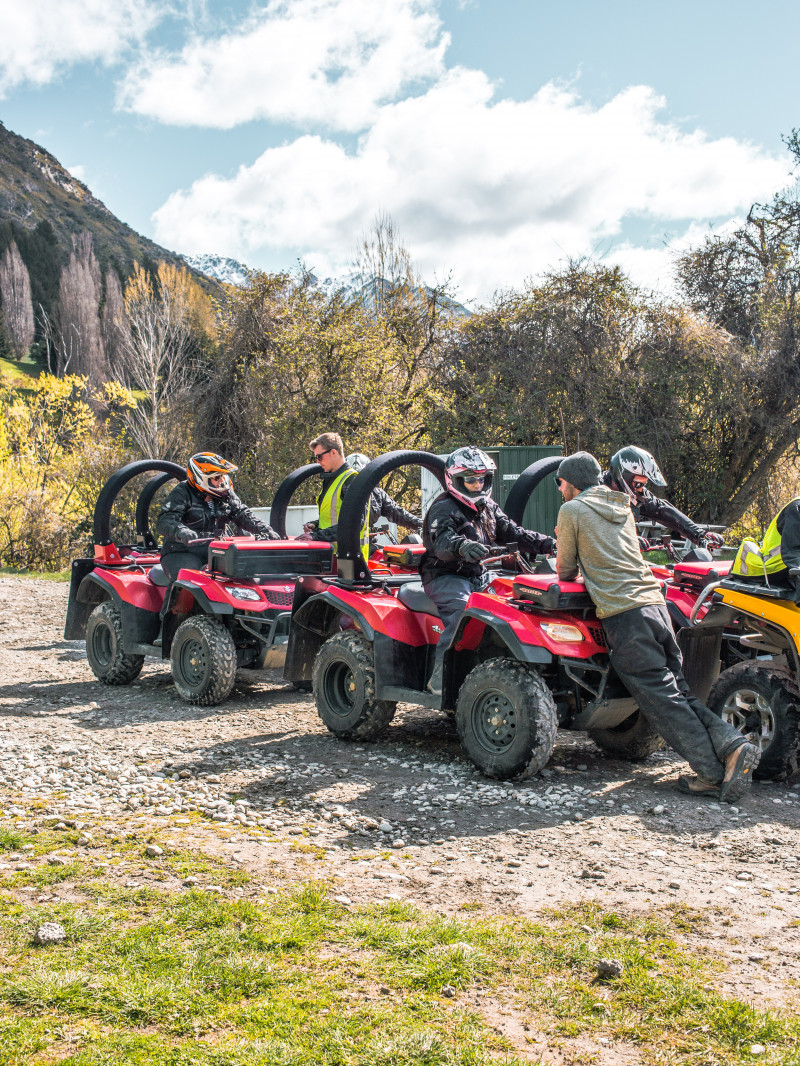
(430, 736)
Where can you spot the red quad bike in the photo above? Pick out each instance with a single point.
(529, 655)
(232, 613)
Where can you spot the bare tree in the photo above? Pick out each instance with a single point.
(78, 318)
(15, 298)
(157, 358)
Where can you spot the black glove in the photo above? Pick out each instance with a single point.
(268, 534)
(472, 550)
(644, 544)
(548, 547)
(200, 542)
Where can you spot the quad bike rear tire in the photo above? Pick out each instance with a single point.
(506, 718)
(203, 661)
(634, 739)
(765, 700)
(344, 688)
(108, 661)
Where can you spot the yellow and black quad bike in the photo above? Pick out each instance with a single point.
(761, 694)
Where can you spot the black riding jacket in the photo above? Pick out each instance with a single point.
(381, 505)
(188, 514)
(655, 510)
(449, 523)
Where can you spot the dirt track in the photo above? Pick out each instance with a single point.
(404, 817)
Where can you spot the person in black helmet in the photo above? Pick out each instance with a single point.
(459, 525)
(630, 472)
(381, 504)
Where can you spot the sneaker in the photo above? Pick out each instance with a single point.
(739, 767)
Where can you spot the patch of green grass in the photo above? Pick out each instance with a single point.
(44, 575)
(10, 839)
(20, 373)
(189, 977)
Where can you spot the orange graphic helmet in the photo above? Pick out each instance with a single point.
(205, 465)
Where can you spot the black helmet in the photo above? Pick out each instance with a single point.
(631, 462)
(469, 462)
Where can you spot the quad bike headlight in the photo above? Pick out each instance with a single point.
(566, 634)
(240, 593)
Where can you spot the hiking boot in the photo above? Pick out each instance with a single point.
(739, 766)
(434, 685)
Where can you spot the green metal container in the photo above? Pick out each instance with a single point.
(542, 510)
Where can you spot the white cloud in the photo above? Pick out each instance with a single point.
(41, 38)
(330, 62)
(494, 190)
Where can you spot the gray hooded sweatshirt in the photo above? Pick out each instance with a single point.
(597, 532)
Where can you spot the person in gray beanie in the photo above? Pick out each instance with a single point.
(580, 469)
(597, 533)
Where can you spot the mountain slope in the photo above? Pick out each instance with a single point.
(64, 261)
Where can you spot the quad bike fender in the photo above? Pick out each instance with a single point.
(187, 591)
(79, 606)
(530, 629)
(137, 600)
(779, 620)
(472, 632)
(316, 617)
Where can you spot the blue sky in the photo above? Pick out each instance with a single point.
(500, 136)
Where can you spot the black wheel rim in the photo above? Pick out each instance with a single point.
(494, 722)
(102, 644)
(193, 662)
(339, 689)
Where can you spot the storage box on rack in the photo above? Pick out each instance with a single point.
(244, 557)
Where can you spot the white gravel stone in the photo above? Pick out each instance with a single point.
(50, 933)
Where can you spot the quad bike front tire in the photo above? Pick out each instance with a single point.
(108, 661)
(633, 739)
(761, 699)
(344, 688)
(203, 661)
(506, 719)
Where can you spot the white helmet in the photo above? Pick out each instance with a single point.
(469, 462)
(357, 461)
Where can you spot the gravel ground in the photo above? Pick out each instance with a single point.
(260, 781)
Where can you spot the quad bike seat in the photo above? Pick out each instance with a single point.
(414, 596)
(757, 587)
(158, 576)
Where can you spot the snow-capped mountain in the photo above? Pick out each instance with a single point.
(222, 268)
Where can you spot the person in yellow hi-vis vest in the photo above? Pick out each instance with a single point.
(779, 552)
(328, 450)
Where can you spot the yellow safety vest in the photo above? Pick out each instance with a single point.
(329, 503)
(752, 561)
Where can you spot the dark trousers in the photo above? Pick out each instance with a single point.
(648, 662)
(450, 593)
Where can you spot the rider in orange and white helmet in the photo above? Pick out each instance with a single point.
(199, 508)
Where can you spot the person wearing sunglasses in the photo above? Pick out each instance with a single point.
(630, 472)
(597, 535)
(328, 450)
(460, 524)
